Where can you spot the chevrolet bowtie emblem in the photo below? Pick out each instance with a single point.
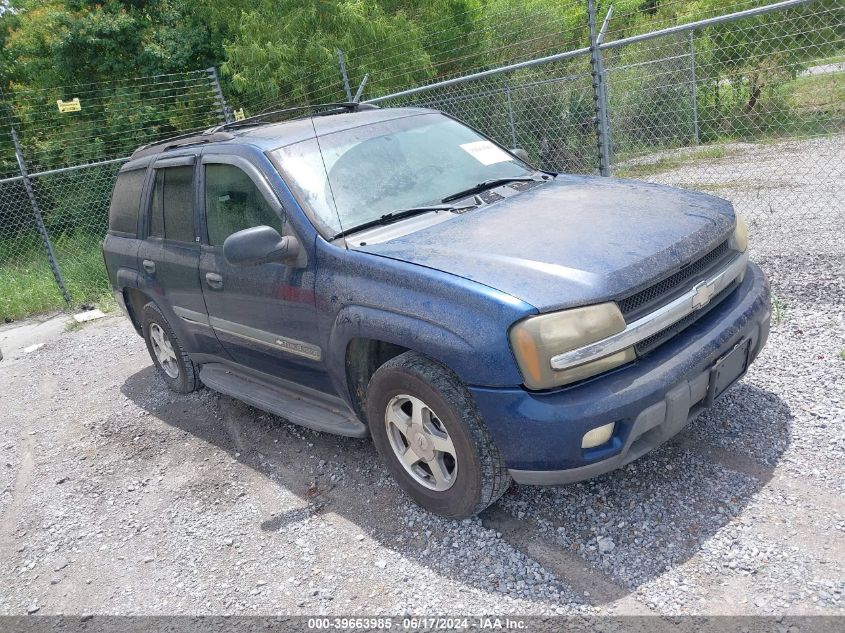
(702, 295)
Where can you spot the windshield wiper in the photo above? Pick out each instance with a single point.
(400, 214)
(488, 184)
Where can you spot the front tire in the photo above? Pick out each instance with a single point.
(427, 429)
(173, 364)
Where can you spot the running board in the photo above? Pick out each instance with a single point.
(308, 408)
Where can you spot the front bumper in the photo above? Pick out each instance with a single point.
(539, 433)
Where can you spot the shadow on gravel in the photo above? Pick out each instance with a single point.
(635, 524)
(605, 537)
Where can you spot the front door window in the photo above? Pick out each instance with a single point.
(233, 203)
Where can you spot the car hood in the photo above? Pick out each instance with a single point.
(573, 241)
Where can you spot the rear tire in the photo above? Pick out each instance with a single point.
(173, 364)
(427, 429)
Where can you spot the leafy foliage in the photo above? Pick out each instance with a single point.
(60, 42)
(284, 50)
(287, 49)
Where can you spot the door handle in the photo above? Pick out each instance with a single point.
(149, 266)
(214, 280)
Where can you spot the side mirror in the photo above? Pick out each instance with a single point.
(260, 245)
(521, 154)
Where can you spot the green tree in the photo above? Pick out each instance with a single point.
(454, 37)
(523, 30)
(59, 42)
(61, 49)
(286, 49)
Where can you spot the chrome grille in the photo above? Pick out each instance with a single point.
(637, 304)
(665, 321)
(655, 340)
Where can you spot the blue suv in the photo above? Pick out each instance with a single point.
(395, 273)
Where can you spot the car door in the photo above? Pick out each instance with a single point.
(263, 315)
(169, 254)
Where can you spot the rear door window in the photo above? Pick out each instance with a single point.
(125, 201)
(234, 203)
(172, 205)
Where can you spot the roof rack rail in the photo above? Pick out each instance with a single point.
(182, 140)
(322, 109)
(343, 106)
(220, 132)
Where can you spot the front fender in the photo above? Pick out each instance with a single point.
(412, 332)
(455, 321)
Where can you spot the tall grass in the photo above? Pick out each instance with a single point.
(27, 285)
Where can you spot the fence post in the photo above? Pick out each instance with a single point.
(39, 219)
(218, 95)
(342, 63)
(694, 88)
(360, 90)
(510, 118)
(599, 89)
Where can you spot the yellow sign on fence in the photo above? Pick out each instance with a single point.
(69, 106)
(239, 115)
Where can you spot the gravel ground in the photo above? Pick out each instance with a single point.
(119, 497)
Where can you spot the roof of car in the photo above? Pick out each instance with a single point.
(270, 136)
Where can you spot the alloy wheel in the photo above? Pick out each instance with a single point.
(163, 349)
(421, 442)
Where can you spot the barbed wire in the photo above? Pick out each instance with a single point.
(488, 18)
(488, 22)
(526, 54)
(668, 13)
(112, 117)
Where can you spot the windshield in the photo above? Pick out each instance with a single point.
(382, 167)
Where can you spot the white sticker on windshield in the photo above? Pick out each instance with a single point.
(486, 153)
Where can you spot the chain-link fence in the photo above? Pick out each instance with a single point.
(60, 150)
(745, 100)
(753, 111)
(749, 106)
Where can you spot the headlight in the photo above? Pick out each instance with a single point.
(537, 339)
(739, 239)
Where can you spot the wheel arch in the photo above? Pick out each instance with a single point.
(363, 357)
(366, 338)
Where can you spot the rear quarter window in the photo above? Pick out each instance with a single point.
(125, 201)
(172, 206)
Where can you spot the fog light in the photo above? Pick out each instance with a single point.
(598, 436)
